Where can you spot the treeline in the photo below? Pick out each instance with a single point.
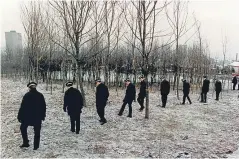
(83, 40)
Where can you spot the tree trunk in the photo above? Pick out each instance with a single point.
(81, 84)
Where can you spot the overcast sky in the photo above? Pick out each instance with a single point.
(217, 17)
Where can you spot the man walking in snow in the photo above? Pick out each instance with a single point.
(102, 95)
(218, 88)
(234, 81)
(31, 113)
(165, 89)
(186, 90)
(129, 98)
(73, 103)
(205, 89)
(142, 93)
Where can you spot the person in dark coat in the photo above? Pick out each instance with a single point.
(129, 98)
(234, 81)
(186, 90)
(165, 89)
(218, 88)
(205, 89)
(102, 94)
(31, 113)
(142, 93)
(73, 103)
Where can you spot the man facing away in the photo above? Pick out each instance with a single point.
(218, 88)
(186, 90)
(234, 81)
(142, 93)
(129, 98)
(102, 95)
(31, 113)
(205, 89)
(73, 103)
(165, 89)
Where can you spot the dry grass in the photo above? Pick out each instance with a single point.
(189, 131)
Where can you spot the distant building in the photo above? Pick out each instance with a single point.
(13, 42)
(235, 66)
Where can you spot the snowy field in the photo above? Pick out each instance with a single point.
(183, 131)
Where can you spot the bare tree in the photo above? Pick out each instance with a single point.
(178, 23)
(145, 34)
(32, 20)
(74, 16)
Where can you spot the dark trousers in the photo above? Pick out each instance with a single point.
(204, 97)
(140, 100)
(185, 95)
(75, 123)
(164, 99)
(217, 95)
(123, 107)
(37, 130)
(101, 112)
(234, 86)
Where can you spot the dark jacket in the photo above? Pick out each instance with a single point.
(33, 108)
(142, 92)
(130, 93)
(234, 80)
(73, 101)
(205, 86)
(165, 87)
(102, 94)
(186, 87)
(218, 86)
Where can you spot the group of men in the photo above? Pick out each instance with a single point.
(33, 107)
(165, 89)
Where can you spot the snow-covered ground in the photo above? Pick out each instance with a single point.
(193, 131)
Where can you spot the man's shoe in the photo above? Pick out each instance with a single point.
(141, 109)
(72, 130)
(35, 148)
(182, 103)
(103, 122)
(130, 116)
(120, 114)
(77, 132)
(24, 145)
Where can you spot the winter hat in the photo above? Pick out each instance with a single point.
(98, 80)
(127, 80)
(69, 84)
(31, 84)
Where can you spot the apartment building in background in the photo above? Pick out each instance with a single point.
(13, 42)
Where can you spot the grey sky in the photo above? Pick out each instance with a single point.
(217, 17)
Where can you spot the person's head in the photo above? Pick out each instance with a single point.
(69, 84)
(32, 85)
(97, 81)
(127, 81)
(183, 80)
(141, 78)
(204, 77)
